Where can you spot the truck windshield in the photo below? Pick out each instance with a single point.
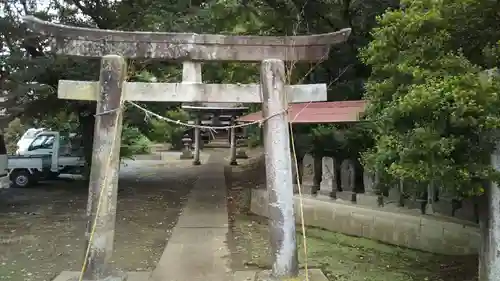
(49, 143)
(37, 142)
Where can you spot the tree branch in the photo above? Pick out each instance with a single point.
(95, 13)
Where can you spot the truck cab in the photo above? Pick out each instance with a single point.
(67, 156)
(27, 138)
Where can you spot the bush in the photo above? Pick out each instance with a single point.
(12, 134)
(133, 142)
(166, 132)
(62, 122)
(254, 136)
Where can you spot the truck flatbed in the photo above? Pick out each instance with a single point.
(38, 162)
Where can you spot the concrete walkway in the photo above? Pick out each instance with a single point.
(197, 250)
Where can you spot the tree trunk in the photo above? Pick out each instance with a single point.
(337, 166)
(318, 174)
(429, 207)
(401, 202)
(359, 181)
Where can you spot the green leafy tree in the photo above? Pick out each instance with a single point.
(432, 103)
(133, 142)
(28, 60)
(434, 112)
(166, 132)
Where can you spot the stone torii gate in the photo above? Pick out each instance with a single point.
(111, 91)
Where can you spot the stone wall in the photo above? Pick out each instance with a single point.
(422, 232)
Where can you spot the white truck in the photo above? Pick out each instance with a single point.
(44, 158)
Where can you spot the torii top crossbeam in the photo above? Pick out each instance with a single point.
(91, 42)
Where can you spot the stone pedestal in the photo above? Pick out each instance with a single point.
(307, 176)
(347, 175)
(308, 170)
(186, 155)
(186, 151)
(241, 154)
(368, 179)
(328, 174)
(348, 179)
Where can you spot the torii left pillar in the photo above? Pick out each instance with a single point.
(103, 186)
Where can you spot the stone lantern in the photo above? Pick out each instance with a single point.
(186, 151)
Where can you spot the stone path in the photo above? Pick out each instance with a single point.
(197, 249)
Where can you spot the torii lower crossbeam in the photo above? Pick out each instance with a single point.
(195, 92)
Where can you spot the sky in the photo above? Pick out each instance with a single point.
(43, 4)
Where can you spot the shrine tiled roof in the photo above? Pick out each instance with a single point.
(319, 112)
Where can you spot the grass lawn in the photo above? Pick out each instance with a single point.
(343, 257)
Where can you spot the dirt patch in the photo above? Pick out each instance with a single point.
(42, 229)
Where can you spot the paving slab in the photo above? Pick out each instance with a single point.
(131, 276)
(206, 206)
(197, 249)
(202, 261)
(247, 275)
(203, 218)
(205, 237)
(312, 274)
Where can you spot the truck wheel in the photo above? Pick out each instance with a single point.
(21, 179)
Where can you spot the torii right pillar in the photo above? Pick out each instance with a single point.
(278, 170)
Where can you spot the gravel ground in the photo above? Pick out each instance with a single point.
(42, 228)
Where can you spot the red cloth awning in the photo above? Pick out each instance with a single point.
(319, 112)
